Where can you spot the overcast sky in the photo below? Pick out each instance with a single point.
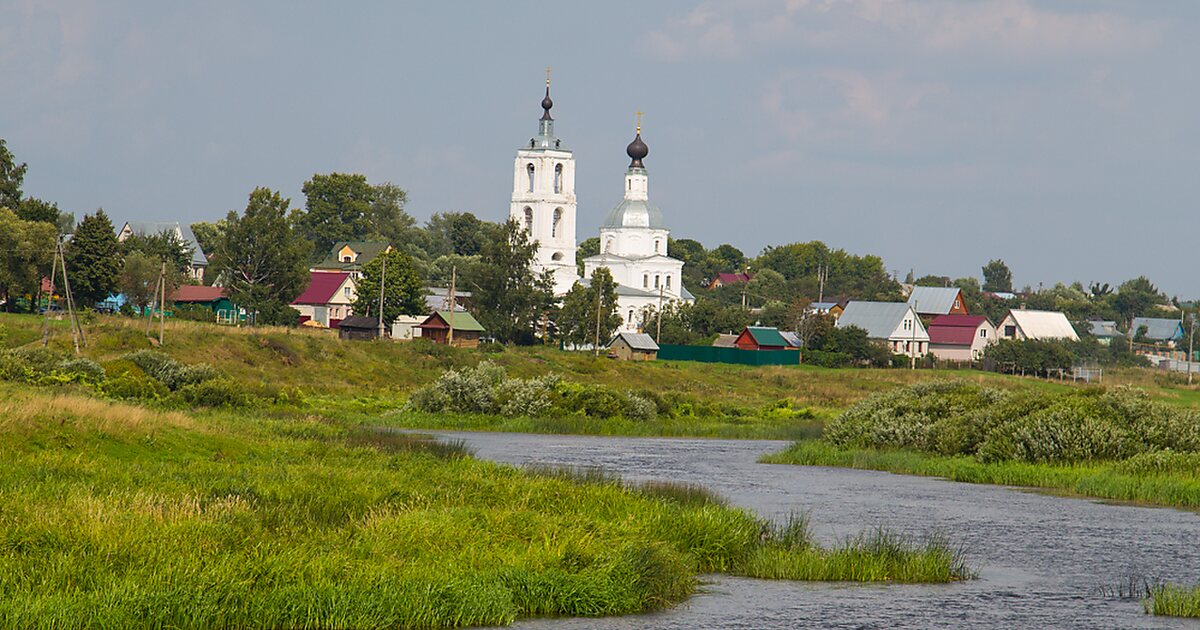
(1060, 136)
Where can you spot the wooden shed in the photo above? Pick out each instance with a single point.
(629, 346)
(467, 329)
(761, 338)
(358, 327)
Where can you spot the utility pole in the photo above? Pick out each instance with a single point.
(50, 300)
(1191, 347)
(453, 306)
(597, 290)
(912, 348)
(76, 331)
(658, 326)
(162, 302)
(822, 276)
(382, 277)
(153, 303)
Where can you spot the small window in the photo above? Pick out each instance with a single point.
(668, 281)
(608, 246)
(557, 220)
(645, 281)
(530, 170)
(630, 319)
(347, 259)
(656, 246)
(983, 332)
(346, 291)
(528, 219)
(655, 282)
(558, 173)
(1010, 331)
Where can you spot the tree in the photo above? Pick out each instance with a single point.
(12, 175)
(208, 235)
(263, 258)
(94, 259)
(767, 285)
(26, 251)
(589, 247)
(997, 277)
(863, 277)
(459, 233)
(509, 297)
(166, 246)
(403, 290)
(932, 281)
(139, 277)
(337, 208)
(386, 220)
(585, 306)
(1136, 297)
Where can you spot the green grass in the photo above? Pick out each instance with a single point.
(113, 515)
(1173, 601)
(1104, 480)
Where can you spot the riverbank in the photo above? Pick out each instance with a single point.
(118, 515)
(1099, 480)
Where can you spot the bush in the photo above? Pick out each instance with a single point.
(194, 313)
(527, 397)
(82, 370)
(170, 372)
(133, 387)
(217, 392)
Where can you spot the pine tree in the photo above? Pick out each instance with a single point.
(94, 259)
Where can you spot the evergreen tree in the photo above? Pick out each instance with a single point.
(997, 277)
(509, 296)
(164, 246)
(262, 258)
(94, 259)
(584, 305)
(403, 291)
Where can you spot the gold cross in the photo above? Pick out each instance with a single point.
(547, 76)
(639, 121)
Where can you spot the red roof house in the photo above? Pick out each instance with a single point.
(723, 279)
(327, 299)
(960, 337)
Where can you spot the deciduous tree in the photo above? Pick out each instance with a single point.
(997, 277)
(403, 291)
(263, 258)
(586, 306)
(26, 250)
(509, 297)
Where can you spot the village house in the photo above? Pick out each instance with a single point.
(960, 338)
(832, 309)
(1024, 324)
(1104, 331)
(1157, 330)
(466, 328)
(894, 324)
(183, 234)
(629, 346)
(328, 299)
(351, 256)
(359, 328)
(934, 301)
(761, 338)
(724, 279)
(213, 298)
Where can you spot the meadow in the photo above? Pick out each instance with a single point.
(145, 488)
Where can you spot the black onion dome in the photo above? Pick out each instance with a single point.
(637, 150)
(546, 105)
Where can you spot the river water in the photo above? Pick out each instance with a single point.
(1042, 560)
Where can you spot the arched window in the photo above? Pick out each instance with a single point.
(645, 281)
(630, 319)
(608, 246)
(668, 281)
(557, 256)
(558, 172)
(529, 169)
(656, 281)
(656, 244)
(528, 219)
(555, 224)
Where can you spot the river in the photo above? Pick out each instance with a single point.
(1042, 560)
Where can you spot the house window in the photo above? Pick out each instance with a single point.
(528, 219)
(347, 259)
(529, 169)
(346, 291)
(983, 332)
(558, 172)
(557, 220)
(645, 281)
(1010, 331)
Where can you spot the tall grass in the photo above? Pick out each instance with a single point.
(1174, 601)
(115, 516)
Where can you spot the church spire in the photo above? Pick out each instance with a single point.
(546, 102)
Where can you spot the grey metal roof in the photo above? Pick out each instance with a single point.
(1104, 329)
(792, 338)
(635, 213)
(623, 289)
(879, 319)
(637, 341)
(1158, 328)
(724, 340)
(184, 232)
(933, 300)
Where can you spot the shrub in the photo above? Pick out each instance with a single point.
(216, 392)
(527, 397)
(133, 387)
(193, 313)
(82, 370)
(170, 372)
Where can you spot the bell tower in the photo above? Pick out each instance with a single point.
(543, 199)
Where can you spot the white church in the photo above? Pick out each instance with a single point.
(633, 239)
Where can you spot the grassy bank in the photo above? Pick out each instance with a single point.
(1104, 480)
(115, 515)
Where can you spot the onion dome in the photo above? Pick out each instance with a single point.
(547, 103)
(637, 150)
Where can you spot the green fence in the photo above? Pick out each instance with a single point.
(710, 354)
